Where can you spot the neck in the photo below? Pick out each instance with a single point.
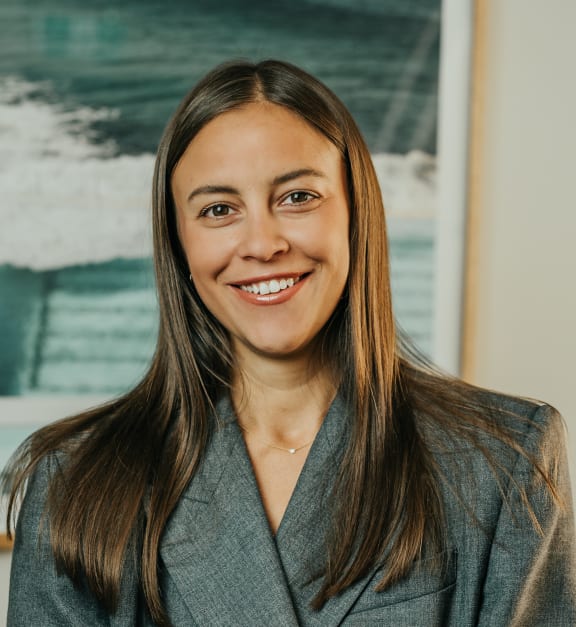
(281, 400)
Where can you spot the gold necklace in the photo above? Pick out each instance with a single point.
(279, 448)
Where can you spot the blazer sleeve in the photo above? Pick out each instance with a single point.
(39, 595)
(531, 576)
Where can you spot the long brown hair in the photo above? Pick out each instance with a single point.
(130, 460)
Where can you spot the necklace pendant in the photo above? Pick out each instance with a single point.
(291, 451)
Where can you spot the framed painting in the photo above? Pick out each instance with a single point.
(85, 90)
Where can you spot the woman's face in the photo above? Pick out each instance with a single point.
(262, 211)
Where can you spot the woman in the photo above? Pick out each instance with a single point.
(286, 460)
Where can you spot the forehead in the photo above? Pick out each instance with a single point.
(260, 115)
(256, 137)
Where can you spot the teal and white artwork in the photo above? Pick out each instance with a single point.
(85, 90)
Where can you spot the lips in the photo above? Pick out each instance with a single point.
(270, 289)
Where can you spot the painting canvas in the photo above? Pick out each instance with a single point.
(85, 90)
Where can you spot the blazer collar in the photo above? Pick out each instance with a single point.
(301, 536)
(218, 547)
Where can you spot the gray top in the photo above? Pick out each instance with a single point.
(221, 565)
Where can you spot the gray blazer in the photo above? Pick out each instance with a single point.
(221, 565)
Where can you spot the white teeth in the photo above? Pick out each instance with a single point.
(269, 287)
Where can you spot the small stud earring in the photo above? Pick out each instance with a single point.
(190, 275)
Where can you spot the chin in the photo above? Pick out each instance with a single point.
(275, 350)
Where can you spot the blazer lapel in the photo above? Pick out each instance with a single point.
(218, 551)
(301, 535)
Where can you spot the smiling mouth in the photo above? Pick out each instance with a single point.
(273, 286)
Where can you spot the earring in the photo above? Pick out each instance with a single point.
(190, 275)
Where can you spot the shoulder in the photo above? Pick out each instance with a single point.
(36, 491)
(490, 448)
(40, 591)
(529, 422)
(462, 416)
(531, 430)
(515, 409)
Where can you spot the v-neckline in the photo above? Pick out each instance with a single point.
(254, 480)
(325, 445)
(219, 538)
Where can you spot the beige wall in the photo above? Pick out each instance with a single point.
(520, 323)
(4, 578)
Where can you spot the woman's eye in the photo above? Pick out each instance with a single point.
(216, 211)
(298, 198)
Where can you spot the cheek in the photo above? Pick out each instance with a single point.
(331, 251)
(324, 235)
(341, 257)
(336, 245)
(205, 257)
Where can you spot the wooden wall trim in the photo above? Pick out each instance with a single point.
(475, 179)
(5, 544)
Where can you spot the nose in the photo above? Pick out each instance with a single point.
(262, 237)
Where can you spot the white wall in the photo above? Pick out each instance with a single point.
(523, 334)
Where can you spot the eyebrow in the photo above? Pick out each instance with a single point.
(211, 189)
(296, 174)
(278, 180)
